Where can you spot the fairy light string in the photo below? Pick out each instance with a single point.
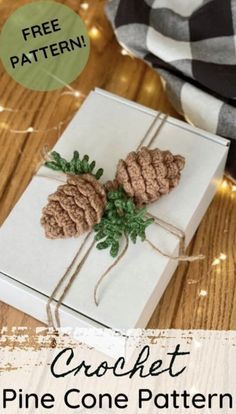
(31, 129)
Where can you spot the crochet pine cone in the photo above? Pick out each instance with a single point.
(74, 208)
(147, 174)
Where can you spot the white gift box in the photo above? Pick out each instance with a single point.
(107, 127)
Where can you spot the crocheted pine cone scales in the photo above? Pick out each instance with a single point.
(147, 174)
(74, 208)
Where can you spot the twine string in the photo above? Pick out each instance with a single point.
(60, 178)
(102, 277)
(181, 236)
(153, 124)
(176, 231)
(45, 157)
(158, 130)
(60, 283)
(71, 281)
(179, 258)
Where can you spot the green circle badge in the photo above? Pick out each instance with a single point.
(44, 45)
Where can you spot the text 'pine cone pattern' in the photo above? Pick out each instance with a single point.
(147, 174)
(74, 208)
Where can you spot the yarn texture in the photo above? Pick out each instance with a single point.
(147, 174)
(74, 208)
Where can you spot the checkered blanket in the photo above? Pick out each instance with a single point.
(192, 44)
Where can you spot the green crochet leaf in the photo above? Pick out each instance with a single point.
(76, 166)
(121, 218)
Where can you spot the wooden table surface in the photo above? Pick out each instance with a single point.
(200, 294)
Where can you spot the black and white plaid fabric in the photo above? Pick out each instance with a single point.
(192, 44)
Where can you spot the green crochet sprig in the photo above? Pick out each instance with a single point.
(121, 218)
(76, 166)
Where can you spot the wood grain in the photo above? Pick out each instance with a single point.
(199, 295)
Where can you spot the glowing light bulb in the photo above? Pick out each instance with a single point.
(149, 88)
(30, 129)
(234, 188)
(3, 125)
(77, 94)
(1, 108)
(224, 184)
(94, 33)
(222, 256)
(203, 293)
(84, 6)
(123, 78)
(124, 52)
(216, 262)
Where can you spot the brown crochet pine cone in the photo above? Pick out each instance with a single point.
(147, 174)
(74, 208)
